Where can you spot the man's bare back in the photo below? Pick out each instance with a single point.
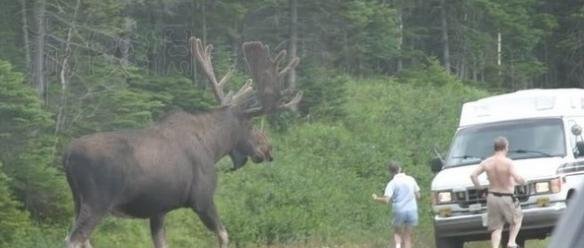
(501, 174)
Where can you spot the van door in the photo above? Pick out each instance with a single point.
(576, 142)
(574, 169)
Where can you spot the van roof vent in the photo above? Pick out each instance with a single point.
(545, 102)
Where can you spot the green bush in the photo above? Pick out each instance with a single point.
(324, 93)
(20, 111)
(29, 153)
(15, 222)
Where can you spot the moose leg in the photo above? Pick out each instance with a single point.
(157, 231)
(87, 244)
(208, 214)
(85, 222)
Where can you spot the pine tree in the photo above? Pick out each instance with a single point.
(15, 222)
(30, 156)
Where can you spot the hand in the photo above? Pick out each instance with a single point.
(374, 196)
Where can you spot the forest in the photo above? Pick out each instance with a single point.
(382, 80)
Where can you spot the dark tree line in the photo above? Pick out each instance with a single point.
(510, 44)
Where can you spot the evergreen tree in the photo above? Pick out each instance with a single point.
(29, 158)
(15, 222)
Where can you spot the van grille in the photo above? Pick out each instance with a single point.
(474, 196)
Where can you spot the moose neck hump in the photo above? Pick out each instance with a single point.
(215, 132)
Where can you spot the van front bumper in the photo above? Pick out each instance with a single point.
(541, 220)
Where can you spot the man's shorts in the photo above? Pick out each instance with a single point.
(407, 218)
(502, 210)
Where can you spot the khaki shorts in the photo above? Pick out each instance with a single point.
(502, 210)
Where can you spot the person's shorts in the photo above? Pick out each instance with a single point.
(502, 210)
(405, 218)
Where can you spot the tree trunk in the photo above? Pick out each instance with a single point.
(293, 43)
(463, 60)
(202, 84)
(125, 40)
(346, 53)
(400, 39)
(499, 52)
(38, 59)
(193, 25)
(26, 37)
(63, 74)
(204, 21)
(446, 49)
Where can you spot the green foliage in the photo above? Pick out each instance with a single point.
(565, 41)
(174, 92)
(109, 103)
(105, 15)
(29, 158)
(297, 197)
(15, 222)
(9, 32)
(431, 73)
(39, 185)
(522, 29)
(324, 93)
(369, 37)
(20, 110)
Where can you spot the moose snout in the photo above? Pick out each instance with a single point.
(262, 155)
(267, 153)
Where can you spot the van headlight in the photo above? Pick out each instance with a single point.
(443, 197)
(551, 186)
(542, 187)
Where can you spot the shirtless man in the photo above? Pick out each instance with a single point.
(502, 206)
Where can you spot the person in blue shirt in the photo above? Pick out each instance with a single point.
(403, 192)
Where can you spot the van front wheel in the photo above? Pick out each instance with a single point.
(449, 243)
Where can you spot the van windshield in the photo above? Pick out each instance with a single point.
(527, 139)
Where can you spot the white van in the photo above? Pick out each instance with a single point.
(543, 127)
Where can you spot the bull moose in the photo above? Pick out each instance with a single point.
(145, 173)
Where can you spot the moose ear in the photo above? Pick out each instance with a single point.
(238, 159)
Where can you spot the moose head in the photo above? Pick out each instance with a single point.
(267, 97)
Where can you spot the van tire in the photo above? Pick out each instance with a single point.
(449, 243)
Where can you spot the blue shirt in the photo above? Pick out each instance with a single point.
(402, 192)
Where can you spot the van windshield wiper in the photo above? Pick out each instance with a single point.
(465, 159)
(523, 151)
(467, 156)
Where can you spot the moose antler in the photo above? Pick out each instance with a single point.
(268, 76)
(203, 55)
(265, 72)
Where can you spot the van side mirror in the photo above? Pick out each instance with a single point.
(579, 149)
(436, 165)
(576, 130)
